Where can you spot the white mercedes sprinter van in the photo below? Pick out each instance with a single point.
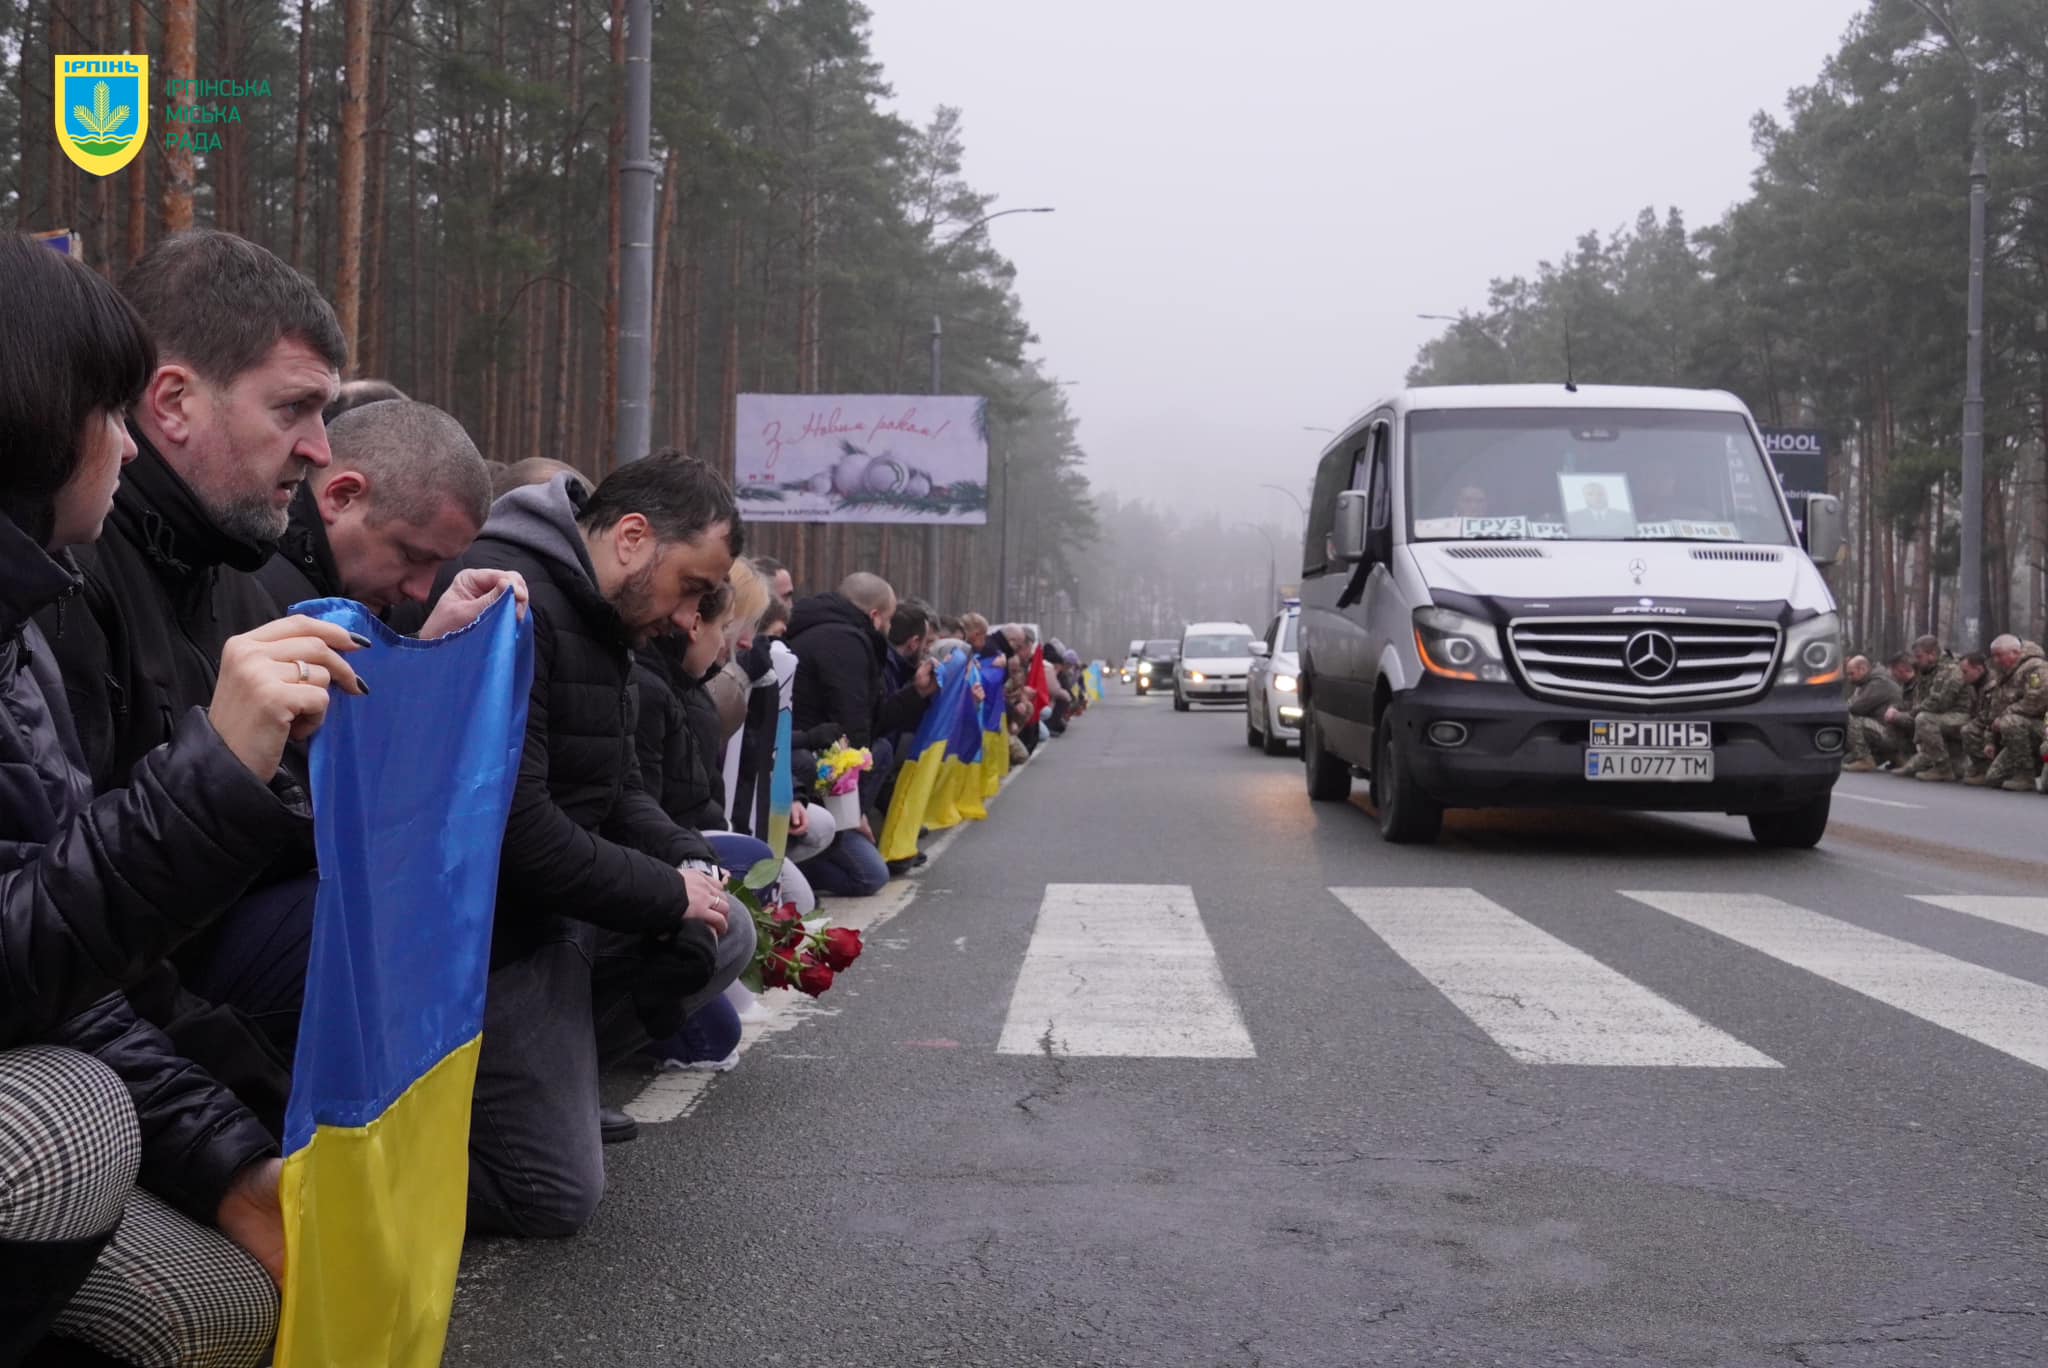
(1535, 595)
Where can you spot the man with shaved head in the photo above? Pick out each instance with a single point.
(841, 645)
(407, 492)
(1871, 695)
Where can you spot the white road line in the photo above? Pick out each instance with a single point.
(1878, 802)
(2028, 914)
(1541, 1000)
(1123, 969)
(2008, 1014)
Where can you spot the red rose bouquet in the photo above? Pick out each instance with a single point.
(790, 952)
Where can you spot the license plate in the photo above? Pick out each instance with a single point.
(1639, 734)
(1650, 766)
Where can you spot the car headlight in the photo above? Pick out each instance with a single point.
(1285, 683)
(1196, 676)
(1145, 668)
(1813, 652)
(1454, 646)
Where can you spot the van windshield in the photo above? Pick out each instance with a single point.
(1589, 475)
(1156, 649)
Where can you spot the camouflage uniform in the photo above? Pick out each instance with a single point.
(1944, 710)
(1978, 733)
(1900, 733)
(1869, 739)
(2024, 702)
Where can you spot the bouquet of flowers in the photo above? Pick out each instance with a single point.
(790, 952)
(840, 769)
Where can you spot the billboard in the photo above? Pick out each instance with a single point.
(1800, 458)
(863, 458)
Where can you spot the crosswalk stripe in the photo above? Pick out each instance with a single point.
(1541, 1000)
(2028, 914)
(1123, 969)
(2008, 1014)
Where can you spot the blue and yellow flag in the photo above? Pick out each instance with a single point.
(918, 777)
(1094, 683)
(412, 785)
(956, 797)
(995, 734)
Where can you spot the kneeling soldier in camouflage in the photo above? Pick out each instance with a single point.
(1944, 711)
(2022, 702)
(1871, 695)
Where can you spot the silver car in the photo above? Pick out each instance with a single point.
(1272, 714)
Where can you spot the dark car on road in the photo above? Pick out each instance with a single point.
(1155, 664)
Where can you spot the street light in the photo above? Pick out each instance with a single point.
(1299, 507)
(931, 533)
(1003, 533)
(1308, 428)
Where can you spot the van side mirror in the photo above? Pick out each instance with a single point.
(1259, 650)
(1347, 533)
(1826, 537)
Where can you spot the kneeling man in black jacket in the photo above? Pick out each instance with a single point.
(607, 910)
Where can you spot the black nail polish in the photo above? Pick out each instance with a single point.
(359, 639)
(362, 685)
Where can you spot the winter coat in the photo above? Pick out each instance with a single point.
(95, 891)
(839, 658)
(585, 840)
(678, 741)
(303, 566)
(1874, 695)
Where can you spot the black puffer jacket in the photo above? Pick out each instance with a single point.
(839, 674)
(678, 737)
(164, 590)
(585, 840)
(95, 891)
(303, 566)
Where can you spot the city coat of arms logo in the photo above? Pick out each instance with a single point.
(102, 110)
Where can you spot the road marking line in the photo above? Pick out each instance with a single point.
(1879, 802)
(2028, 914)
(2008, 1014)
(1123, 969)
(1541, 1000)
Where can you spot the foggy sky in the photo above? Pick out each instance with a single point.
(1254, 201)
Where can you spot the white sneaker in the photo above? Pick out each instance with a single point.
(725, 1065)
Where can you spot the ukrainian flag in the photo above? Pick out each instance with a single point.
(956, 798)
(995, 736)
(412, 786)
(1094, 683)
(918, 779)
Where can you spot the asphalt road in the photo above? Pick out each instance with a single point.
(1773, 1109)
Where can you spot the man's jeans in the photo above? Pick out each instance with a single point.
(851, 867)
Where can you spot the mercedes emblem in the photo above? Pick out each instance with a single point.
(1650, 655)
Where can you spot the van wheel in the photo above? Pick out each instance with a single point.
(1329, 778)
(1251, 732)
(1407, 817)
(1797, 828)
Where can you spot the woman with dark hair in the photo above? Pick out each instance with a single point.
(95, 891)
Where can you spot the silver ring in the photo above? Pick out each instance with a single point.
(305, 675)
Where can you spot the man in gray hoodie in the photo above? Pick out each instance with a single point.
(607, 910)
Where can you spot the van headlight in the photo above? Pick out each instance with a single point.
(1196, 677)
(1145, 667)
(1285, 684)
(1813, 652)
(1454, 646)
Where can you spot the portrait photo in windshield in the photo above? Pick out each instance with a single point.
(1600, 475)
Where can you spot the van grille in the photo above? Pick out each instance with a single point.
(1494, 552)
(1725, 553)
(1685, 661)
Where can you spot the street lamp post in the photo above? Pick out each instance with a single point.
(633, 415)
(1299, 507)
(931, 533)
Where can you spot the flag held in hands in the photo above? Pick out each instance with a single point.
(412, 786)
(924, 763)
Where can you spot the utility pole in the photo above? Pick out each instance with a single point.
(636, 255)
